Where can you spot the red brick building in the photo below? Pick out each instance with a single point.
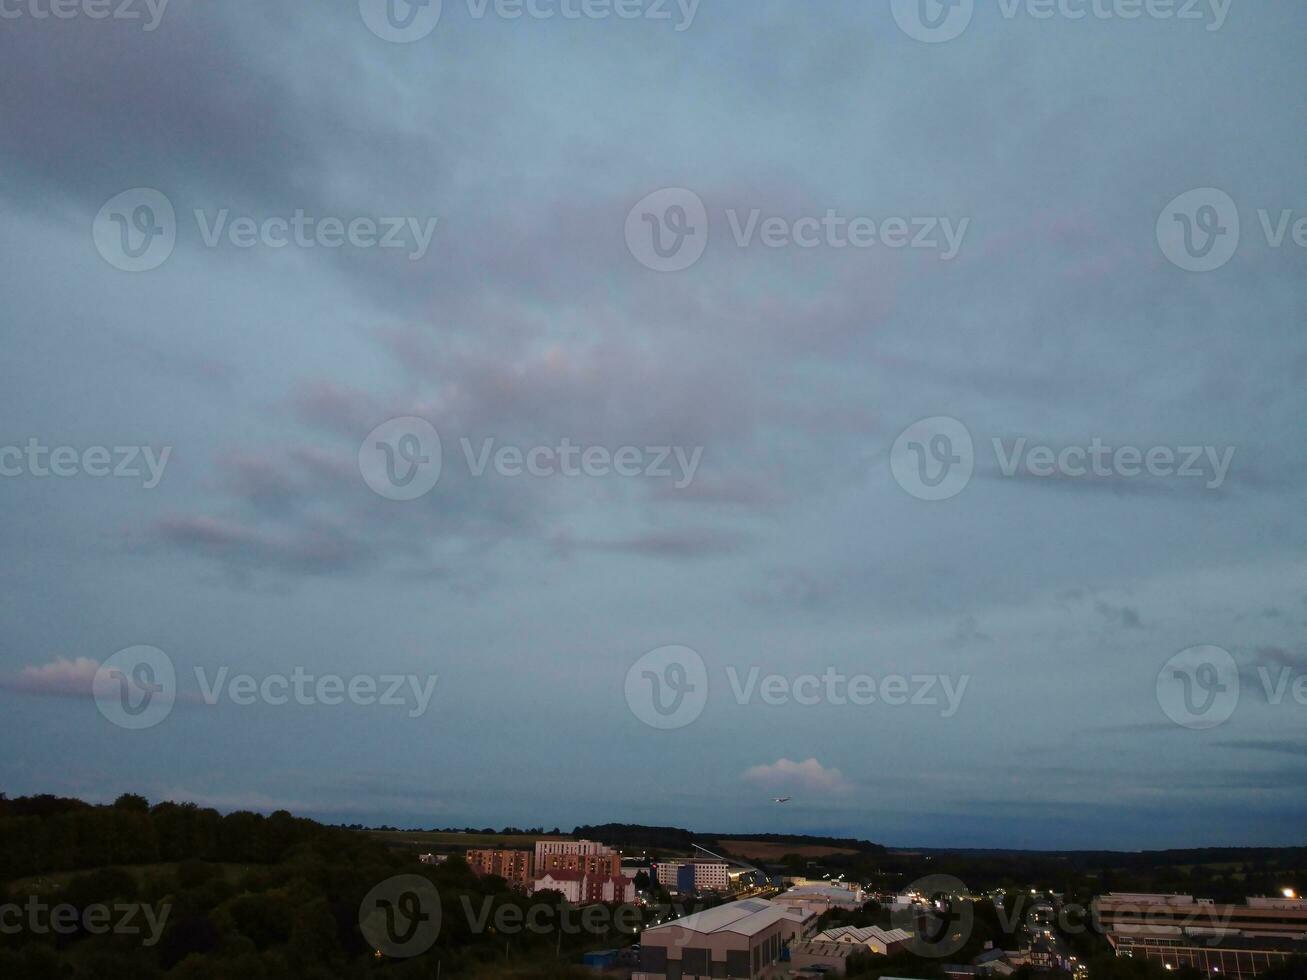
(515, 867)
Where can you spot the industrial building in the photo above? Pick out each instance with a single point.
(874, 939)
(1236, 941)
(739, 939)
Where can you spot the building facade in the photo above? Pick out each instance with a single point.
(739, 939)
(697, 876)
(874, 939)
(580, 888)
(1237, 941)
(515, 867)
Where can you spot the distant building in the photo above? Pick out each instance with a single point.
(822, 897)
(580, 888)
(595, 864)
(814, 954)
(568, 883)
(694, 876)
(433, 858)
(552, 847)
(1235, 941)
(880, 941)
(515, 867)
(739, 939)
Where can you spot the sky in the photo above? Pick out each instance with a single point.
(742, 250)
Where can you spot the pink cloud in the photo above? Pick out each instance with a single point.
(785, 775)
(59, 678)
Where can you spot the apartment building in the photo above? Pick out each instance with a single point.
(696, 876)
(514, 866)
(586, 856)
(1236, 941)
(580, 888)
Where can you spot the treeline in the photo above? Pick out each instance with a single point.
(627, 835)
(41, 834)
(676, 838)
(806, 840)
(205, 896)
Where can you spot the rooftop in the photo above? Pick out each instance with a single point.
(746, 918)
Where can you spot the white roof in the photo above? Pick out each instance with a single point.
(747, 918)
(864, 934)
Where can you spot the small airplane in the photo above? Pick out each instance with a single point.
(783, 799)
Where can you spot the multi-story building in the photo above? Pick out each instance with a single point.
(694, 876)
(513, 866)
(580, 888)
(739, 939)
(1236, 941)
(586, 856)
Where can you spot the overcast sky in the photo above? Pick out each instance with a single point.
(1033, 163)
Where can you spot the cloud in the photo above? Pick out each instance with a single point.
(785, 776)
(1124, 616)
(60, 678)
